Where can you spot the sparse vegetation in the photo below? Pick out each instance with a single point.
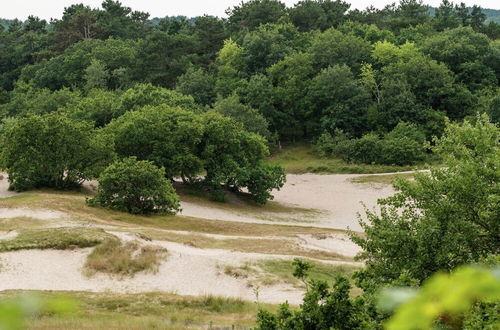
(140, 311)
(388, 179)
(124, 258)
(55, 238)
(275, 271)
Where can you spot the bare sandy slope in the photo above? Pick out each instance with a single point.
(337, 199)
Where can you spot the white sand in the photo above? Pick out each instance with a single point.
(338, 243)
(338, 199)
(187, 271)
(9, 213)
(193, 271)
(6, 235)
(4, 186)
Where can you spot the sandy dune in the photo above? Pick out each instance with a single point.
(193, 271)
(187, 271)
(335, 196)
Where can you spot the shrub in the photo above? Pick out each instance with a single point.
(367, 150)
(401, 151)
(407, 130)
(402, 146)
(137, 187)
(329, 145)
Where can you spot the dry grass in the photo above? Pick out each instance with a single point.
(55, 238)
(73, 204)
(146, 311)
(273, 245)
(117, 258)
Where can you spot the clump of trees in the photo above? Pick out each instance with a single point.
(137, 187)
(52, 151)
(404, 145)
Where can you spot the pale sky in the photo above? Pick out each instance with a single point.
(159, 8)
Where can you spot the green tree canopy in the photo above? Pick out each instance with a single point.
(53, 151)
(443, 219)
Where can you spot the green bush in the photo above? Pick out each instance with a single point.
(329, 145)
(407, 130)
(402, 146)
(367, 149)
(261, 180)
(401, 151)
(137, 187)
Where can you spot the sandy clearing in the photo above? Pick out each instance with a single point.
(4, 186)
(187, 271)
(338, 243)
(337, 198)
(9, 213)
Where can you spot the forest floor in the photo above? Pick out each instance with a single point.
(236, 250)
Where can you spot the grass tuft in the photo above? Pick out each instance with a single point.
(55, 238)
(114, 257)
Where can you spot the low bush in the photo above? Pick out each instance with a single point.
(329, 145)
(402, 146)
(367, 149)
(137, 187)
(401, 151)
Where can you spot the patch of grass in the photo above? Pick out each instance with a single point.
(19, 223)
(147, 311)
(239, 271)
(252, 245)
(299, 159)
(115, 257)
(282, 271)
(55, 238)
(387, 179)
(73, 204)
